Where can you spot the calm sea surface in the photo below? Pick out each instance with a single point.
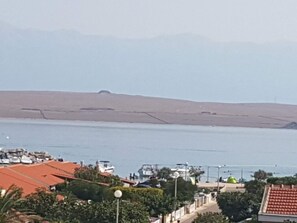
(128, 146)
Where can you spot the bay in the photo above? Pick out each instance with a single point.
(238, 151)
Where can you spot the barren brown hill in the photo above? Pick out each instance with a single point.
(138, 109)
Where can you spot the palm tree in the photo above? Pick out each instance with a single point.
(8, 201)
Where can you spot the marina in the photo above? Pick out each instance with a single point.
(21, 155)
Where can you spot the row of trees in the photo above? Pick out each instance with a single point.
(88, 199)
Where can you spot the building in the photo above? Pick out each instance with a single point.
(41, 175)
(44, 175)
(279, 203)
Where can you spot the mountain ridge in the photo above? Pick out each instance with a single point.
(181, 66)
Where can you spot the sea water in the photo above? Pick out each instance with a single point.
(237, 151)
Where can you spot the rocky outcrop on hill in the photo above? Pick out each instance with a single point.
(291, 125)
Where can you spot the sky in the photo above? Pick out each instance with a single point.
(219, 20)
(267, 69)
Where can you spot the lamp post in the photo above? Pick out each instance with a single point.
(207, 177)
(175, 176)
(186, 171)
(118, 195)
(218, 186)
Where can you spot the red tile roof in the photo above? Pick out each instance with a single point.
(67, 167)
(40, 175)
(281, 200)
(31, 177)
(9, 177)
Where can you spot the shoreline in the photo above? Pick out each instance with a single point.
(116, 124)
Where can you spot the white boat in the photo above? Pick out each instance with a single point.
(14, 159)
(148, 170)
(3, 157)
(183, 170)
(4, 161)
(105, 166)
(26, 160)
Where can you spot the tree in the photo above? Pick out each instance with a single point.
(76, 211)
(255, 187)
(42, 203)
(185, 189)
(164, 173)
(153, 199)
(8, 205)
(196, 172)
(282, 180)
(261, 175)
(105, 212)
(211, 218)
(91, 173)
(238, 206)
(87, 190)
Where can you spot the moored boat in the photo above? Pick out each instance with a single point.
(148, 171)
(26, 160)
(105, 166)
(14, 160)
(182, 169)
(4, 161)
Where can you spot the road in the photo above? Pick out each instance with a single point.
(211, 207)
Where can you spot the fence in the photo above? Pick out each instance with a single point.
(188, 209)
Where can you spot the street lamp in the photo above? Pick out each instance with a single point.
(118, 195)
(207, 178)
(175, 176)
(218, 186)
(186, 171)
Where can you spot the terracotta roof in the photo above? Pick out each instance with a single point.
(105, 174)
(67, 167)
(39, 172)
(40, 175)
(281, 200)
(127, 181)
(9, 177)
(31, 177)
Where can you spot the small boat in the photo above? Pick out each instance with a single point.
(148, 171)
(105, 166)
(26, 160)
(3, 157)
(183, 170)
(4, 161)
(14, 159)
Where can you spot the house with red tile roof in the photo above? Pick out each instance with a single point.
(279, 203)
(9, 177)
(42, 175)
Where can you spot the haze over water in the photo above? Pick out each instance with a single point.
(128, 146)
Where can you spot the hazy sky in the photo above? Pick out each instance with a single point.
(204, 70)
(222, 20)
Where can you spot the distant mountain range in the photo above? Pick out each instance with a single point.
(181, 66)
